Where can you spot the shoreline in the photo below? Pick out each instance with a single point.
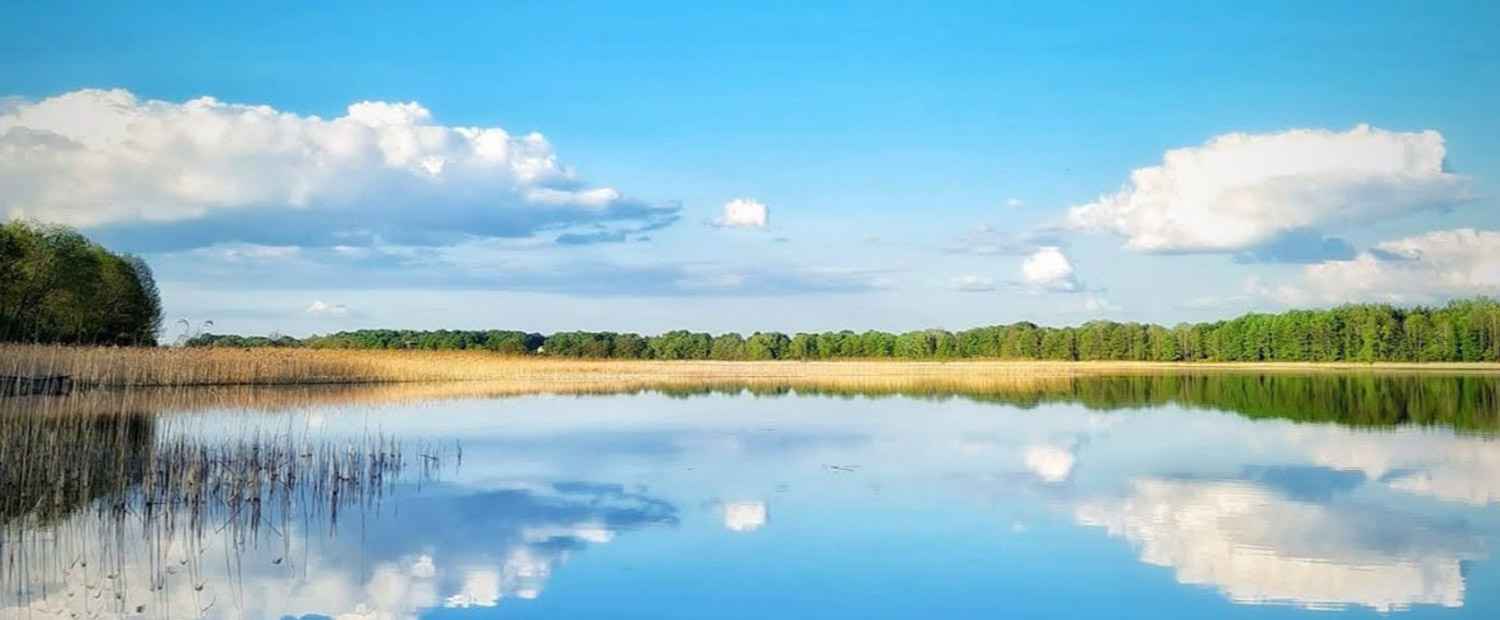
(141, 367)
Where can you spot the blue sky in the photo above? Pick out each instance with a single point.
(920, 165)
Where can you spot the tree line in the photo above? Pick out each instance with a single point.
(1465, 402)
(56, 286)
(1465, 330)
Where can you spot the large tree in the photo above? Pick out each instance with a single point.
(57, 286)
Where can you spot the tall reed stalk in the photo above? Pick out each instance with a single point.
(142, 366)
(84, 496)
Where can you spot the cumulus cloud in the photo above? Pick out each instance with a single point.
(1048, 269)
(744, 213)
(1460, 469)
(1257, 545)
(204, 171)
(1243, 191)
(1433, 266)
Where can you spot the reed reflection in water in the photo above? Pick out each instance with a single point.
(104, 514)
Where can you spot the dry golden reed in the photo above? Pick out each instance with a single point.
(141, 367)
(116, 401)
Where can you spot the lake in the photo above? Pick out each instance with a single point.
(1159, 496)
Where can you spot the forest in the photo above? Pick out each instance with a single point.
(1466, 330)
(58, 287)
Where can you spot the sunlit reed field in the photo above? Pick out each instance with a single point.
(168, 400)
(132, 366)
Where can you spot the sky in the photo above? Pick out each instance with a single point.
(298, 168)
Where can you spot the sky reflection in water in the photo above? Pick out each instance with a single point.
(720, 506)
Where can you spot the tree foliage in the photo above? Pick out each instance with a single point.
(1461, 331)
(56, 286)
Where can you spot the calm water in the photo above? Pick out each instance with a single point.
(1112, 499)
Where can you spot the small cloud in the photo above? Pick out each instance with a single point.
(973, 284)
(1099, 304)
(1251, 293)
(744, 213)
(1048, 269)
(249, 253)
(324, 309)
(1216, 302)
(1013, 203)
(1053, 464)
(745, 516)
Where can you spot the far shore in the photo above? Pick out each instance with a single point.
(126, 366)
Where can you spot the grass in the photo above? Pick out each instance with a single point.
(141, 367)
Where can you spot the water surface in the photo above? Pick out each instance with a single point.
(1163, 497)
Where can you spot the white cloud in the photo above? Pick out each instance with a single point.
(1048, 269)
(1452, 468)
(521, 574)
(973, 284)
(1433, 266)
(1093, 303)
(97, 158)
(745, 516)
(1053, 464)
(1240, 191)
(1013, 203)
(744, 213)
(1257, 546)
(324, 309)
(257, 254)
(986, 240)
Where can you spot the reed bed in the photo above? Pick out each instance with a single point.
(141, 367)
(89, 502)
(51, 466)
(170, 400)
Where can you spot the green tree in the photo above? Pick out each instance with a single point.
(804, 347)
(730, 346)
(768, 346)
(56, 286)
(1059, 344)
